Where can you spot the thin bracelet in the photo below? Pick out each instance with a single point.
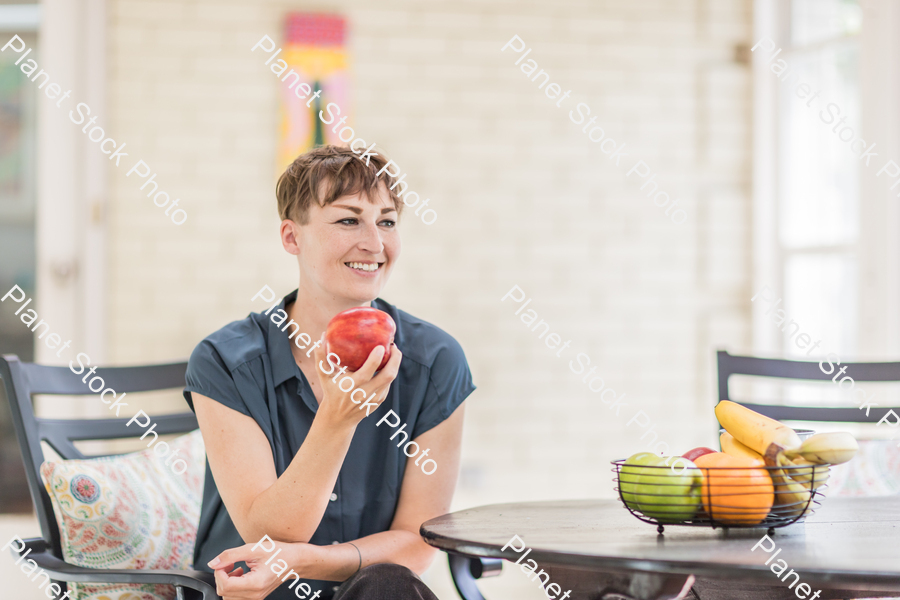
(360, 556)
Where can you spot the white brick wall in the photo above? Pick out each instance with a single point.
(522, 196)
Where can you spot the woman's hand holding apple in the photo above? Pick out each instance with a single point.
(343, 405)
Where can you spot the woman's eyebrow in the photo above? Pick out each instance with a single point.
(358, 210)
(350, 208)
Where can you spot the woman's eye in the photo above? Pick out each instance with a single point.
(354, 221)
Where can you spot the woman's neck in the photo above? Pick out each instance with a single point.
(313, 309)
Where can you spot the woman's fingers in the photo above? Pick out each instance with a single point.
(238, 584)
(380, 394)
(381, 391)
(226, 559)
(343, 402)
(360, 376)
(221, 578)
(366, 371)
(390, 370)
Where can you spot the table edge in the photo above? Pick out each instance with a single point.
(850, 580)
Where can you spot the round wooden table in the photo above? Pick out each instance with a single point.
(850, 548)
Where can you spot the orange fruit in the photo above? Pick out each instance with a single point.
(736, 490)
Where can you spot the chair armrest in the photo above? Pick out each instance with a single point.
(202, 585)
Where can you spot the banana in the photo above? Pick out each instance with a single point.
(806, 473)
(735, 448)
(791, 498)
(754, 430)
(826, 448)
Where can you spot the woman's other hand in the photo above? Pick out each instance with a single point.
(258, 583)
(346, 405)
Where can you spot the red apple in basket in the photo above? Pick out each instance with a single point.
(354, 333)
(692, 455)
(697, 452)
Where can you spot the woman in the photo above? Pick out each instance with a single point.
(290, 455)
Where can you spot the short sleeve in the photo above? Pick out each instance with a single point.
(449, 384)
(208, 375)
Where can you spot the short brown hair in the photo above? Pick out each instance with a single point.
(325, 174)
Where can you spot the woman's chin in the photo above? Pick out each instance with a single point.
(355, 289)
(360, 294)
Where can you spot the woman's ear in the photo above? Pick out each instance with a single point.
(290, 236)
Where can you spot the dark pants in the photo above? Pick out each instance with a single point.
(384, 582)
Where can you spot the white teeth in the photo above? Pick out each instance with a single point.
(363, 266)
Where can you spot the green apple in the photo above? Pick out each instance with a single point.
(669, 495)
(630, 473)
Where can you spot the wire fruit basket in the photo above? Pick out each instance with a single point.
(728, 496)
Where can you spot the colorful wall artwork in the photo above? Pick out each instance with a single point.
(315, 48)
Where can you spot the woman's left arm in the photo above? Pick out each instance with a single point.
(422, 497)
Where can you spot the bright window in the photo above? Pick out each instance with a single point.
(817, 176)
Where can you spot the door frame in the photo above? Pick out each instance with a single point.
(72, 184)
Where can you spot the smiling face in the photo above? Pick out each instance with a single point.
(347, 249)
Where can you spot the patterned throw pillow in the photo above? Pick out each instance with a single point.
(128, 512)
(874, 471)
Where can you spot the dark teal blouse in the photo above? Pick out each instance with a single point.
(248, 366)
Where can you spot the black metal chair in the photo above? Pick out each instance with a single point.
(729, 365)
(22, 381)
(466, 569)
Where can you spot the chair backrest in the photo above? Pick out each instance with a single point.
(729, 365)
(23, 380)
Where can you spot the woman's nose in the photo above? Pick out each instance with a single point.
(371, 241)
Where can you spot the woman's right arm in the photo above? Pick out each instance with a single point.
(287, 508)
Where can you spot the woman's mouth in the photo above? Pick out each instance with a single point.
(365, 267)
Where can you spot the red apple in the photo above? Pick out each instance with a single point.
(354, 333)
(693, 454)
